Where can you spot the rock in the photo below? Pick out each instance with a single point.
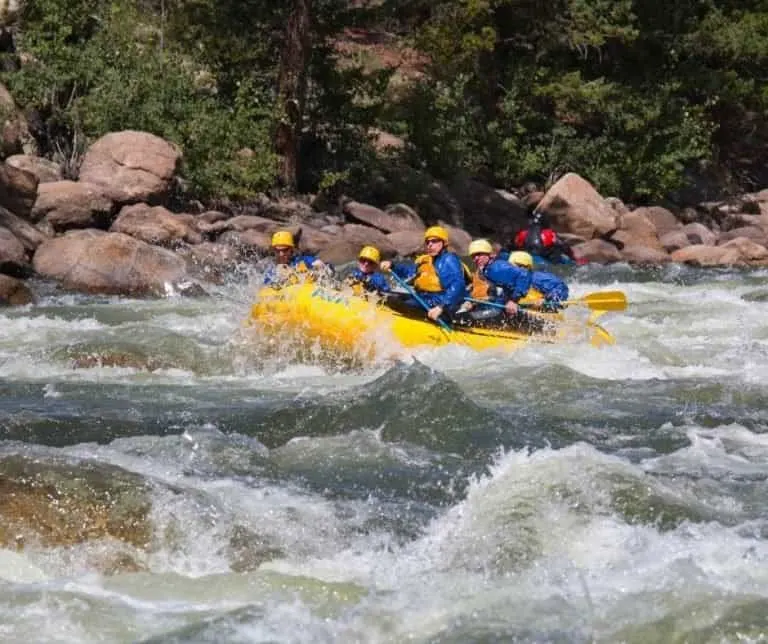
(385, 142)
(748, 248)
(486, 212)
(699, 234)
(618, 206)
(14, 292)
(533, 199)
(210, 261)
(131, 166)
(574, 206)
(407, 242)
(662, 219)
(340, 252)
(43, 169)
(156, 225)
(18, 190)
(397, 218)
(755, 233)
(248, 242)
(599, 251)
(13, 256)
(360, 236)
(701, 255)
(212, 216)
(637, 254)
(72, 204)
(458, 239)
(112, 263)
(27, 234)
(636, 229)
(674, 240)
(311, 240)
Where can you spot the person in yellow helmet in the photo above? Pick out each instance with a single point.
(437, 277)
(547, 291)
(289, 262)
(472, 312)
(367, 273)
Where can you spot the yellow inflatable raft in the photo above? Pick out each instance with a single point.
(338, 321)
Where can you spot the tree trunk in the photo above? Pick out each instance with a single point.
(292, 87)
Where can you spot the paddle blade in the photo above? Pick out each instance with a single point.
(604, 301)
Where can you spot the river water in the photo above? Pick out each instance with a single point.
(163, 479)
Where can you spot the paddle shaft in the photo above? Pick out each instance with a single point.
(443, 324)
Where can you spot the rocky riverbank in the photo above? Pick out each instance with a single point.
(111, 231)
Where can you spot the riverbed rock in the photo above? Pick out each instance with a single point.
(14, 292)
(598, 250)
(637, 229)
(28, 235)
(131, 166)
(13, 256)
(18, 189)
(663, 220)
(71, 204)
(156, 225)
(386, 221)
(674, 240)
(574, 206)
(749, 250)
(701, 255)
(698, 233)
(95, 261)
(44, 169)
(755, 233)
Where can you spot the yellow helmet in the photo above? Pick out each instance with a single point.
(521, 258)
(370, 252)
(283, 238)
(480, 246)
(436, 232)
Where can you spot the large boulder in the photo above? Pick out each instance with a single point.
(749, 249)
(574, 206)
(15, 137)
(662, 219)
(18, 189)
(28, 235)
(389, 221)
(113, 263)
(71, 204)
(13, 256)
(43, 169)
(598, 251)
(701, 255)
(698, 233)
(674, 240)
(636, 229)
(156, 225)
(755, 233)
(407, 242)
(488, 212)
(636, 254)
(131, 166)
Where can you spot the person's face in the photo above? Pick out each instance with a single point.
(481, 260)
(433, 246)
(366, 265)
(283, 254)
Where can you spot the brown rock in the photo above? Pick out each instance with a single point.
(131, 166)
(699, 234)
(14, 292)
(210, 261)
(248, 241)
(13, 257)
(155, 225)
(72, 204)
(18, 189)
(407, 242)
(636, 229)
(360, 236)
(701, 255)
(755, 233)
(397, 218)
(15, 136)
(662, 219)
(598, 250)
(339, 252)
(113, 263)
(574, 206)
(41, 168)
(487, 211)
(636, 254)
(619, 207)
(674, 240)
(748, 248)
(27, 234)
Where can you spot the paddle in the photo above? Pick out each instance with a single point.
(443, 324)
(602, 301)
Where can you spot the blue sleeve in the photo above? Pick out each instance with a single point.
(513, 280)
(551, 286)
(451, 274)
(503, 255)
(269, 276)
(379, 282)
(404, 271)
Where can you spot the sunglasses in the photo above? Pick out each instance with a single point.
(282, 249)
(433, 241)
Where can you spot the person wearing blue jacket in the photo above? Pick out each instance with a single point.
(438, 276)
(367, 274)
(513, 282)
(548, 292)
(290, 264)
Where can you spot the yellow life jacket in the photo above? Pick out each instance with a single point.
(427, 280)
(480, 289)
(533, 296)
(287, 274)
